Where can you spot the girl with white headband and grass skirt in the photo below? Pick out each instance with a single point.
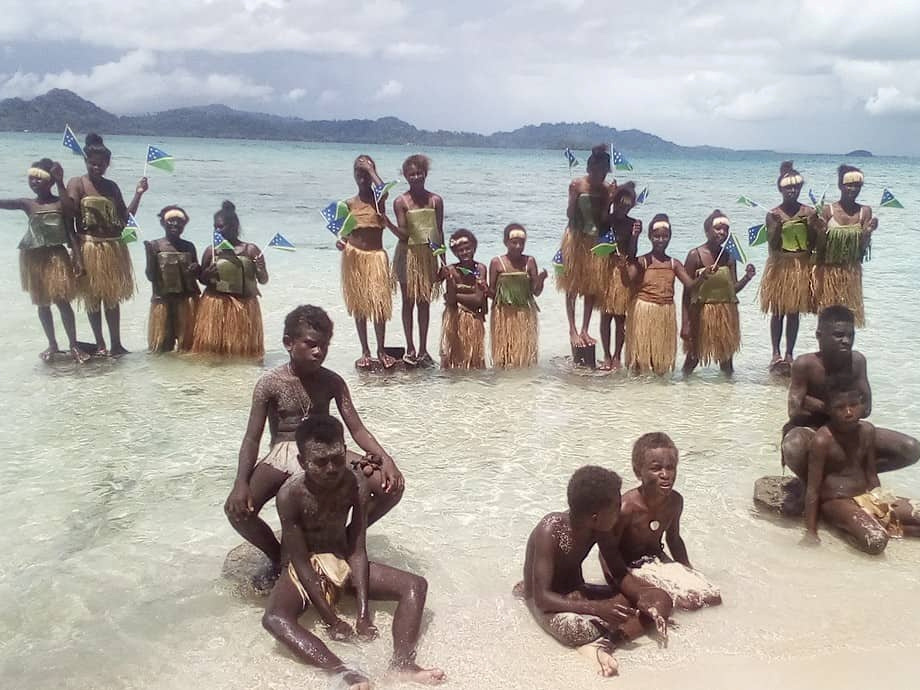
(514, 281)
(173, 271)
(786, 285)
(47, 271)
(651, 324)
(843, 247)
(463, 326)
(711, 328)
(108, 277)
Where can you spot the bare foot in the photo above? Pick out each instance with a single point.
(608, 365)
(78, 355)
(788, 358)
(588, 340)
(413, 673)
(365, 362)
(100, 352)
(386, 361)
(425, 360)
(410, 359)
(601, 652)
(355, 680)
(47, 355)
(118, 350)
(575, 339)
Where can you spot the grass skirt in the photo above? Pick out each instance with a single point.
(47, 275)
(417, 267)
(228, 325)
(366, 283)
(616, 293)
(108, 277)
(716, 332)
(514, 333)
(463, 336)
(651, 337)
(584, 273)
(835, 284)
(786, 285)
(171, 323)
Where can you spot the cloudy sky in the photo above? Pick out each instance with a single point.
(786, 75)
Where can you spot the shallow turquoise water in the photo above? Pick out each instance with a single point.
(116, 472)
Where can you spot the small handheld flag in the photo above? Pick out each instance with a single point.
(734, 249)
(159, 159)
(129, 233)
(619, 161)
(757, 234)
(643, 196)
(279, 241)
(381, 189)
(750, 203)
(570, 157)
(437, 249)
(70, 142)
(220, 242)
(558, 265)
(605, 245)
(339, 220)
(811, 195)
(888, 200)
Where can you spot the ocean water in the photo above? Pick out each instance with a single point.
(115, 472)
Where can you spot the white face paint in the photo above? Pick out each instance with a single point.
(654, 525)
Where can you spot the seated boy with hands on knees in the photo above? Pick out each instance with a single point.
(652, 511)
(591, 618)
(324, 555)
(842, 480)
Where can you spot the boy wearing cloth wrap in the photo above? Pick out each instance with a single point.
(325, 555)
(592, 618)
(284, 396)
(47, 271)
(843, 483)
(651, 511)
(807, 410)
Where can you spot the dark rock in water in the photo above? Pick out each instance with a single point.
(585, 356)
(783, 495)
(859, 153)
(245, 568)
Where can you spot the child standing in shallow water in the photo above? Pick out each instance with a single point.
(711, 326)
(463, 326)
(172, 269)
(652, 511)
(47, 271)
(514, 281)
(651, 327)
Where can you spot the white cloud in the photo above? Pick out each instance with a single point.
(388, 90)
(329, 97)
(408, 49)
(135, 82)
(295, 95)
(889, 99)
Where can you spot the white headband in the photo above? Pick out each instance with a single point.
(852, 176)
(719, 220)
(39, 173)
(661, 224)
(791, 180)
(174, 213)
(458, 241)
(517, 234)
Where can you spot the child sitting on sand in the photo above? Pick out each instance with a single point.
(591, 618)
(651, 511)
(843, 485)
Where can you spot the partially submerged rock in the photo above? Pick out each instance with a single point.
(245, 567)
(783, 495)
